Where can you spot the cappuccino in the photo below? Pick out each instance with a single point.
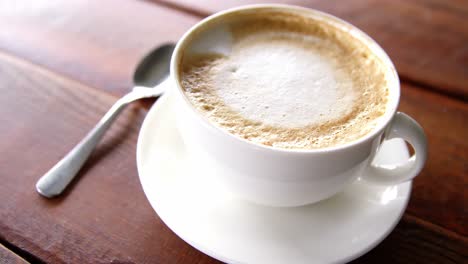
(285, 80)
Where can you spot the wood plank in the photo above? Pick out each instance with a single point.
(426, 39)
(9, 257)
(417, 242)
(80, 39)
(105, 216)
(95, 42)
(439, 192)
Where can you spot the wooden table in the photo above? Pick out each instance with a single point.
(63, 63)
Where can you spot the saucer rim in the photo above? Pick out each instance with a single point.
(161, 102)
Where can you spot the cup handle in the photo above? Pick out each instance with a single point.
(405, 127)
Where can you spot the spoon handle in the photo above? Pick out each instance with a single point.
(58, 177)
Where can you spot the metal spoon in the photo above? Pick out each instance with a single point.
(150, 79)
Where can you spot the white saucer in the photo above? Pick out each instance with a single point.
(199, 210)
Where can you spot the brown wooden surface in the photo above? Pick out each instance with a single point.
(440, 191)
(63, 63)
(9, 257)
(86, 41)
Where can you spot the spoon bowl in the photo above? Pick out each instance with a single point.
(154, 67)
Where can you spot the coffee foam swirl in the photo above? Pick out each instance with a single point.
(288, 82)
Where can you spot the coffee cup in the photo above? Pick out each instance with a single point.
(289, 105)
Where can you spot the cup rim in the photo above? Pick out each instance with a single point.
(394, 87)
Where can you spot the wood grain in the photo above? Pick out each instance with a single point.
(9, 257)
(76, 52)
(440, 191)
(427, 40)
(95, 42)
(105, 216)
(418, 242)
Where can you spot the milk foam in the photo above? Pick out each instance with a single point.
(273, 82)
(281, 84)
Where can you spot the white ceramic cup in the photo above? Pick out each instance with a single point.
(288, 177)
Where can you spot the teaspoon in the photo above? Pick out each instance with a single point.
(150, 80)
